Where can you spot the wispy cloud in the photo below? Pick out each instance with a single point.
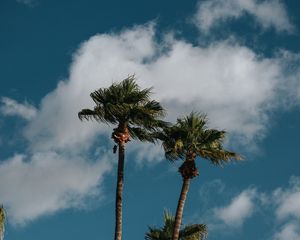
(29, 3)
(288, 210)
(288, 200)
(233, 84)
(269, 14)
(281, 205)
(46, 182)
(290, 231)
(10, 107)
(239, 209)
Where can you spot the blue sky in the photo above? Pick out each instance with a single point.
(236, 60)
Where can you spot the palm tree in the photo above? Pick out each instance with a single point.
(2, 222)
(135, 115)
(189, 232)
(187, 139)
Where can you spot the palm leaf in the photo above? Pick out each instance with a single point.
(125, 103)
(191, 135)
(189, 232)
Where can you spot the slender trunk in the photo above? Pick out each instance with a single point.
(119, 192)
(2, 222)
(180, 206)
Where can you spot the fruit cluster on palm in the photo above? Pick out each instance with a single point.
(137, 116)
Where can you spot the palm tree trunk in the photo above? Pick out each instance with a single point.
(2, 222)
(119, 191)
(180, 206)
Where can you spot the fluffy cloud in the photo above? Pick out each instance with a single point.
(233, 84)
(11, 107)
(46, 183)
(281, 204)
(268, 14)
(288, 210)
(288, 200)
(240, 208)
(290, 231)
(29, 3)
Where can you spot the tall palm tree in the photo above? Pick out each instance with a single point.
(136, 116)
(2, 222)
(189, 232)
(188, 139)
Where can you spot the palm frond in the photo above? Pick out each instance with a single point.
(125, 103)
(153, 234)
(142, 134)
(193, 232)
(189, 232)
(190, 134)
(86, 114)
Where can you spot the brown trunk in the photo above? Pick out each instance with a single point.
(121, 137)
(119, 192)
(180, 206)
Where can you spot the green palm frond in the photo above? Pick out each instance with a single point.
(141, 134)
(2, 222)
(193, 232)
(189, 232)
(125, 103)
(191, 135)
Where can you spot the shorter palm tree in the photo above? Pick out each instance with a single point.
(188, 139)
(188, 232)
(2, 222)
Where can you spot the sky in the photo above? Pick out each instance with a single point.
(236, 60)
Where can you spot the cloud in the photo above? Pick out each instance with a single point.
(146, 153)
(240, 208)
(29, 3)
(269, 14)
(11, 107)
(46, 183)
(280, 205)
(288, 200)
(290, 231)
(234, 85)
(230, 82)
(288, 210)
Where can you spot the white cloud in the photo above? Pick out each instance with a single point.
(234, 85)
(29, 3)
(280, 205)
(290, 231)
(11, 107)
(240, 208)
(146, 153)
(46, 183)
(288, 200)
(268, 14)
(288, 210)
(99, 61)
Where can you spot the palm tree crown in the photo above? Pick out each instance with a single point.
(188, 232)
(190, 138)
(128, 106)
